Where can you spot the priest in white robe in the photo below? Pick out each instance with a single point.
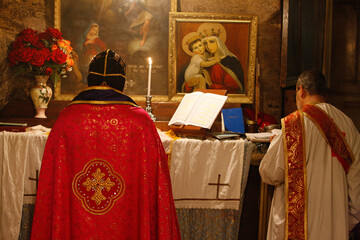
(314, 164)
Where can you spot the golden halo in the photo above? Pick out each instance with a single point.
(212, 29)
(187, 39)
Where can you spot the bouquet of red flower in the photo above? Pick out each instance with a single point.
(45, 53)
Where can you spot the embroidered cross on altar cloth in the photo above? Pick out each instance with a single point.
(207, 173)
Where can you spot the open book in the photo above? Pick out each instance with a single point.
(198, 109)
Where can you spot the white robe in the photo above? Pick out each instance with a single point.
(333, 195)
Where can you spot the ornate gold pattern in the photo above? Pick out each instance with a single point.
(57, 14)
(97, 186)
(173, 7)
(104, 102)
(295, 176)
(114, 121)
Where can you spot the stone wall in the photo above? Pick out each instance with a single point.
(16, 15)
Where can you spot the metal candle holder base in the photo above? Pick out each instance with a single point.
(149, 109)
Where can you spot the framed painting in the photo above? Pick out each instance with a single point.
(136, 30)
(212, 51)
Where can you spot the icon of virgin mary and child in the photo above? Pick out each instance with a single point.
(212, 65)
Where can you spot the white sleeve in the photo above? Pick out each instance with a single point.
(353, 179)
(272, 165)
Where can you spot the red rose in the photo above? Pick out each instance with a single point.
(24, 54)
(45, 36)
(58, 56)
(54, 33)
(48, 71)
(38, 58)
(31, 38)
(48, 52)
(17, 43)
(12, 57)
(39, 44)
(27, 31)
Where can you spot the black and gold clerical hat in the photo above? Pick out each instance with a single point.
(107, 67)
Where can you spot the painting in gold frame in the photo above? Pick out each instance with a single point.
(231, 66)
(122, 27)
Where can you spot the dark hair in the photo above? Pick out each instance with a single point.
(313, 82)
(192, 44)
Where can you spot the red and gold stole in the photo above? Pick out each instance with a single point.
(295, 176)
(331, 133)
(295, 163)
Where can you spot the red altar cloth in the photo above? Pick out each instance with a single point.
(117, 190)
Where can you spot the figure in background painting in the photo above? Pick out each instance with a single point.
(228, 73)
(143, 18)
(89, 45)
(196, 77)
(213, 66)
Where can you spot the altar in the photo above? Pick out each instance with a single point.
(208, 179)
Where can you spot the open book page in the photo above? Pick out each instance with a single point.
(184, 108)
(206, 111)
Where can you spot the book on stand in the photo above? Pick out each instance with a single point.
(197, 112)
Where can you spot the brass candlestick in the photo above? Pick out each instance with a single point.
(149, 109)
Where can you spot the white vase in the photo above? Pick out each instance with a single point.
(41, 95)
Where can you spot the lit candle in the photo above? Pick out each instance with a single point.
(149, 78)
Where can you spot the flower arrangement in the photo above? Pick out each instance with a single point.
(44, 53)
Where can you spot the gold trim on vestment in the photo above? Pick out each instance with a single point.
(103, 102)
(108, 74)
(305, 176)
(83, 196)
(102, 88)
(286, 179)
(295, 176)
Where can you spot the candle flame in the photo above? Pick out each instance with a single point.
(150, 61)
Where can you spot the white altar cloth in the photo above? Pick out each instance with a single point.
(20, 157)
(207, 173)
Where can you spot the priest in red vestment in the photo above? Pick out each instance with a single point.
(104, 173)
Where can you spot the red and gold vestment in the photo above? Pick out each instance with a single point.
(104, 174)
